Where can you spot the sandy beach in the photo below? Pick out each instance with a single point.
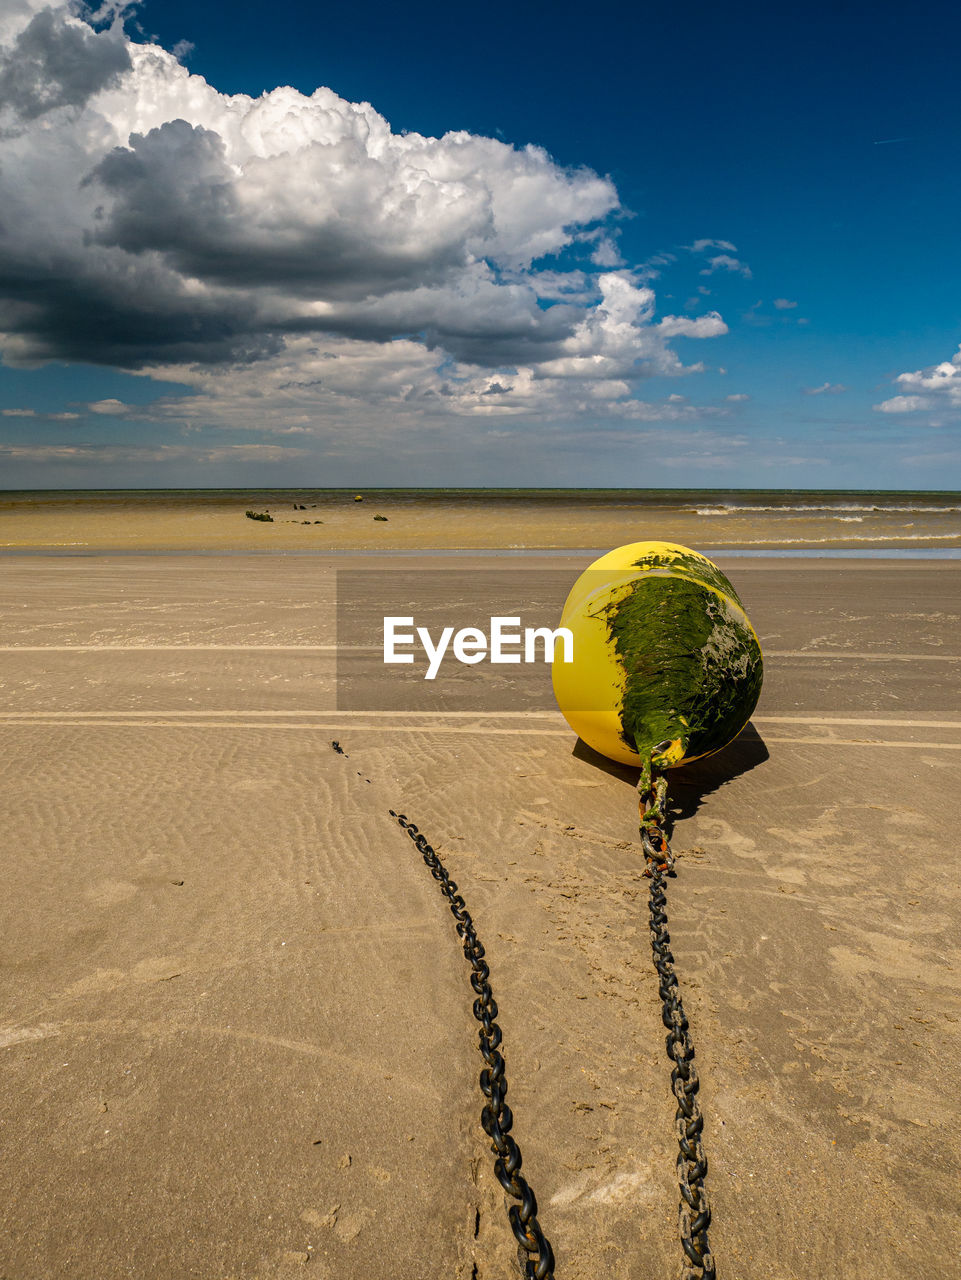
(236, 1031)
(337, 348)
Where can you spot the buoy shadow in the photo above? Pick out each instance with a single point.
(688, 785)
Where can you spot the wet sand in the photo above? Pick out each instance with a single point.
(412, 520)
(236, 1032)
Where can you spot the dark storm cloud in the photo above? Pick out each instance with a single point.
(157, 224)
(125, 318)
(59, 62)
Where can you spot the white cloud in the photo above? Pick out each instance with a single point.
(784, 304)
(606, 253)
(826, 389)
(904, 404)
(110, 408)
(565, 286)
(617, 335)
(36, 416)
(707, 326)
(701, 246)
(738, 398)
(724, 262)
(59, 61)
(937, 387)
(118, 454)
(650, 268)
(297, 248)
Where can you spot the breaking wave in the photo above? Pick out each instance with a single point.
(830, 508)
(848, 537)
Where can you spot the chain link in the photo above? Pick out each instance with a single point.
(534, 1251)
(497, 1117)
(694, 1208)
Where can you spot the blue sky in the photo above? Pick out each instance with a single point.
(732, 262)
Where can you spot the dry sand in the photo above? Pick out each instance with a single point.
(236, 1024)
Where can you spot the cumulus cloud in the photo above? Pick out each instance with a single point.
(707, 326)
(904, 404)
(354, 386)
(784, 304)
(937, 387)
(57, 60)
(296, 247)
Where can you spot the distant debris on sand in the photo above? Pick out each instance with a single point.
(358, 497)
(384, 518)
(260, 515)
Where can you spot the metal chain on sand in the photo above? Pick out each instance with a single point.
(694, 1208)
(497, 1117)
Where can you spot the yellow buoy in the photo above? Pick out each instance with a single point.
(666, 664)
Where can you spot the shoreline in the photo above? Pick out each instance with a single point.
(521, 522)
(798, 554)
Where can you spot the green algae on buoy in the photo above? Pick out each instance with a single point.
(667, 666)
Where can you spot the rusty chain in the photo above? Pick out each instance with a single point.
(497, 1117)
(694, 1208)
